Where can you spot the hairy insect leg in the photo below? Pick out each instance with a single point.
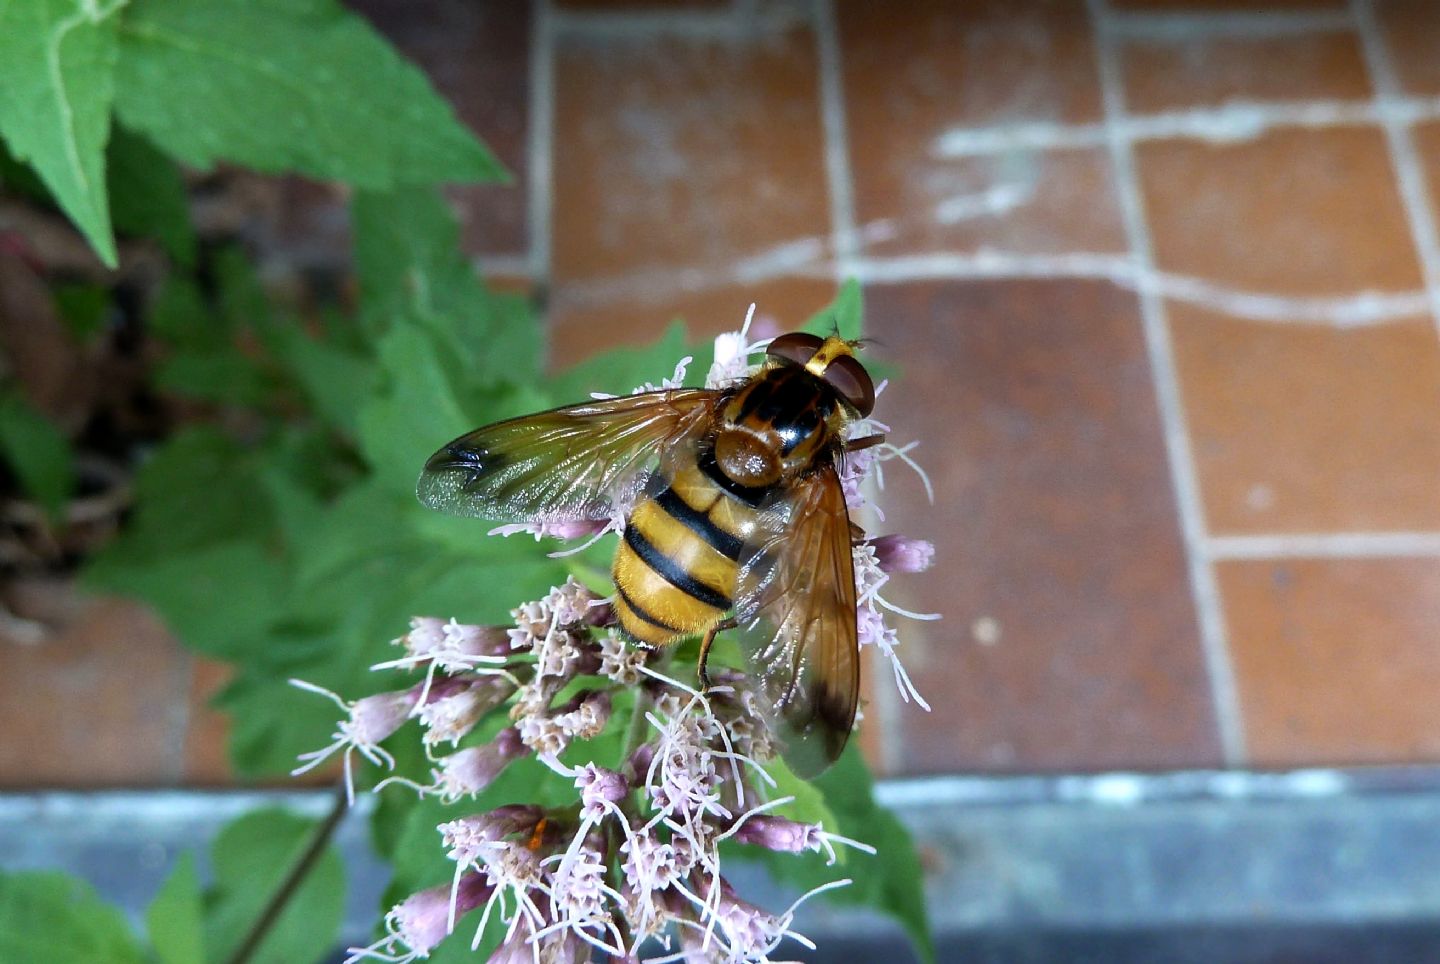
(724, 624)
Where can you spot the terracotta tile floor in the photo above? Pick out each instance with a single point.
(1160, 278)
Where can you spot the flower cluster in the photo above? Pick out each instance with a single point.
(633, 864)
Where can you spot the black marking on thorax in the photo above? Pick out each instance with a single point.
(789, 401)
(748, 495)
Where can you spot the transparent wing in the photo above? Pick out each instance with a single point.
(795, 606)
(566, 464)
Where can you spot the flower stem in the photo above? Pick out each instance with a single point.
(294, 877)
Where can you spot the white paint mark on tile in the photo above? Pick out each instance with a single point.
(993, 202)
(985, 631)
(1233, 122)
(1409, 169)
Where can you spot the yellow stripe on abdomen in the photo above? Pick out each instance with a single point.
(672, 582)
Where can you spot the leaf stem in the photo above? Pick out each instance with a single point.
(294, 877)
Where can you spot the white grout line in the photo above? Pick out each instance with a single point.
(809, 257)
(1330, 545)
(1226, 703)
(1360, 310)
(738, 21)
(1188, 27)
(542, 131)
(837, 140)
(1409, 169)
(1228, 123)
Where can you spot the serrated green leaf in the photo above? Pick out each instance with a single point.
(419, 411)
(250, 858)
(218, 598)
(281, 86)
(57, 67)
(336, 381)
(175, 917)
(147, 195)
(54, 917)
(199, 489)
(411, 268)
(37, 451)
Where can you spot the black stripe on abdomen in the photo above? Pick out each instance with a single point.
(666, 569)
(700, 524)
(644, 615)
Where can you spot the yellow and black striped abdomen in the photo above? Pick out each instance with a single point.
(676, 565)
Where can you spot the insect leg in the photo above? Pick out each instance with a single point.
(724, 624)
(863, 442)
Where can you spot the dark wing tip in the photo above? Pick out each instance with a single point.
(818, 729)
(453, 473)
(455, 456)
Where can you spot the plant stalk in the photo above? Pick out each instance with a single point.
(293, 879)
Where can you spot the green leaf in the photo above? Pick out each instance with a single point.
(85, 308)
(175, 918)
(336, 381)
(401, 428)
(180, 317)
(893, 880)
(57, 68)
(54, 917)
(846, 314)
(251, 858)
(411, 268)
(227, 377)
(37, 451)
(283, 86)
(147, 195)
(809, 805)
(198, 489)
(620, 370)
(219, 598)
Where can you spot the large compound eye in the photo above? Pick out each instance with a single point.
(798, 346)
(848, 377)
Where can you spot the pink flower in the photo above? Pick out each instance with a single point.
(469, 771)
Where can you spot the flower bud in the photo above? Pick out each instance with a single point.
(900, 554)
(778, 833)
(374, 718)
(422, 920)
(471, 770)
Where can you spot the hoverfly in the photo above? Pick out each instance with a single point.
(737, 509)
